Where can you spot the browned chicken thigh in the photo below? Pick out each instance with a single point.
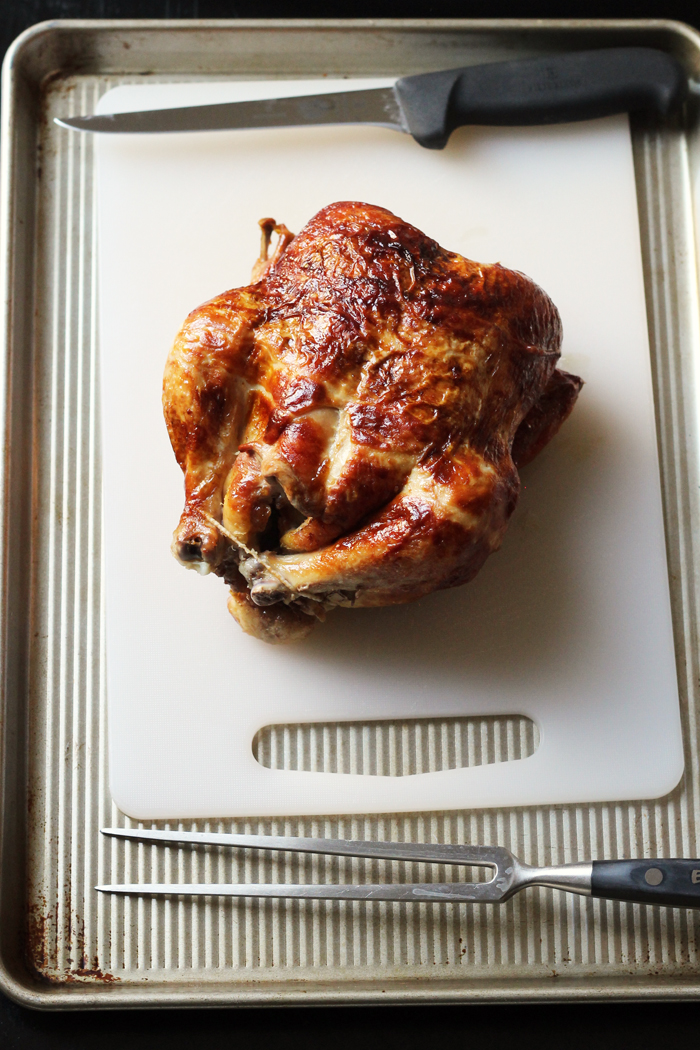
(350, 425)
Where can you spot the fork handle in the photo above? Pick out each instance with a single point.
(670, 882)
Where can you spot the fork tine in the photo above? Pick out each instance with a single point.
(443, 853)
(472, 893)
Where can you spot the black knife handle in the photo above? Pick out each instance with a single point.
(671, 882)
(576, 85)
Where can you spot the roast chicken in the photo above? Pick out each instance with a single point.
(351, 424)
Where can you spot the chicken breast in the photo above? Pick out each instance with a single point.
(350, 424)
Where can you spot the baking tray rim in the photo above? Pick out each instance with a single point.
(49, 27)
(43, 994)
(47, 996)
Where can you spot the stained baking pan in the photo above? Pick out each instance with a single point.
(61, 945)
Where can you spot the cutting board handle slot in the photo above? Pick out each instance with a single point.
(396, 747)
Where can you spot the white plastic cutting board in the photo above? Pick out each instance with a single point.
(569, 624)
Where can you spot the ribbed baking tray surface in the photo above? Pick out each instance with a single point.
(85, 949)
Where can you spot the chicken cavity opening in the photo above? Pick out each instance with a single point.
(284, 517)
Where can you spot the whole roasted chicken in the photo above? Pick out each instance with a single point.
(350, 425)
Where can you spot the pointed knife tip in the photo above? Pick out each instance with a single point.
(95, 122)
(66, 122)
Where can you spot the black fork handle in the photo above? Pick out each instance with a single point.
(578, 85)
(670, 882)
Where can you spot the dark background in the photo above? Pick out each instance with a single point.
(568, 1027)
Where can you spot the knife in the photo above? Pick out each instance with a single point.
(556, 89)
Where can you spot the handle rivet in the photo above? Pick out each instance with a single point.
(653, 876)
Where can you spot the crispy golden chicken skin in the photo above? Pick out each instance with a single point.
(350, 425)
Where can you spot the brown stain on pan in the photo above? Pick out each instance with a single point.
(78, 975)
(39, 922)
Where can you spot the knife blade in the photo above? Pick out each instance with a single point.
(373, 106)
(560, 88)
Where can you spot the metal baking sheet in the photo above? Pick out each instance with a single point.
(61, 945)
